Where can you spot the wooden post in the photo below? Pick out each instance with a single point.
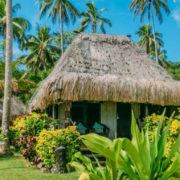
(146, 110)
(53, 113)
(67, 113)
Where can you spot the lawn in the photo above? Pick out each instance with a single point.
(16, 168)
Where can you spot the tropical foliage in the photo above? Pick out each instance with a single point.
(26, 130)
(63, 10)
(146, 40)
(49, 140)
(20, 24)
(148, 8)
(93, 17)
(151, 122)
(141, 158)
(43, 52)
(37, 137)
(1, 137)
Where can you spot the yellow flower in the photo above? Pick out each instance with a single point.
(174, 127)
(84, 176)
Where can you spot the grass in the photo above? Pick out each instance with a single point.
(16, 168)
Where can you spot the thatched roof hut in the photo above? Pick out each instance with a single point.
(107, 68)
(17, 108)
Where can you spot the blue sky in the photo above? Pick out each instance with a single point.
(123, 22)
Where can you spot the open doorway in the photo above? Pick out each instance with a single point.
(86, 113)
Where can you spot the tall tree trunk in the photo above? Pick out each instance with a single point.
(61, 30)
(4, 43)
(154, 35)
(147, 48)
(8, 76)
(94, 26)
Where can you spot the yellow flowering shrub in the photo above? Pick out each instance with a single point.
(84, 176)
(26, 128)
(49, 140)
(151, 123)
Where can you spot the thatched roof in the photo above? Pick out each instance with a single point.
(107, 68)
(17, 108)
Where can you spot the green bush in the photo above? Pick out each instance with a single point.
(49, 140)
(25, 130)
(2, 137)
(151, 123)
(33, 124)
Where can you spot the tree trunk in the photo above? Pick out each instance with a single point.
(94, 26)
(147, 48)
(8, 76)
(4, 44)
(61, 30)
(154, 35)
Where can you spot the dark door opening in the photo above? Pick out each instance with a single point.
(86, 113)
(123, 120)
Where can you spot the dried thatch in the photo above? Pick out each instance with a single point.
(107, 68)
(17, 108)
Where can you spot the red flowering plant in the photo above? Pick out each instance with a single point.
(27, 128)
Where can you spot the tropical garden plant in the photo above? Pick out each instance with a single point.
(2, 137)
(49, 140)
(141, 158)
(26, 129)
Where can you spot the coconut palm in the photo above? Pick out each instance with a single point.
(19, 24)
(68, 38)
(8, 76)
(143, 7)
(93, 17)
(162, 55)
(146, 40)
(43, 53)
(59, 9)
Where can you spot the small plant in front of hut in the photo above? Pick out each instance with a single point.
(2, 137)
(49, 140)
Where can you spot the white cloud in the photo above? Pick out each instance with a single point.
(16, 52)
(176, 15)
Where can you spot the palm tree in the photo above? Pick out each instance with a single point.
(162, 55)
(19, 24)
(146, 40)
(93, 16)
(43, 52)
(62, 9)
(8, 76)
(68, 38)
(150, 6)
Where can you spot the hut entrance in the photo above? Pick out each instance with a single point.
(85, 113)
(123, 120)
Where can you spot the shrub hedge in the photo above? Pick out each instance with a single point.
(49, 140)
(151, 122)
